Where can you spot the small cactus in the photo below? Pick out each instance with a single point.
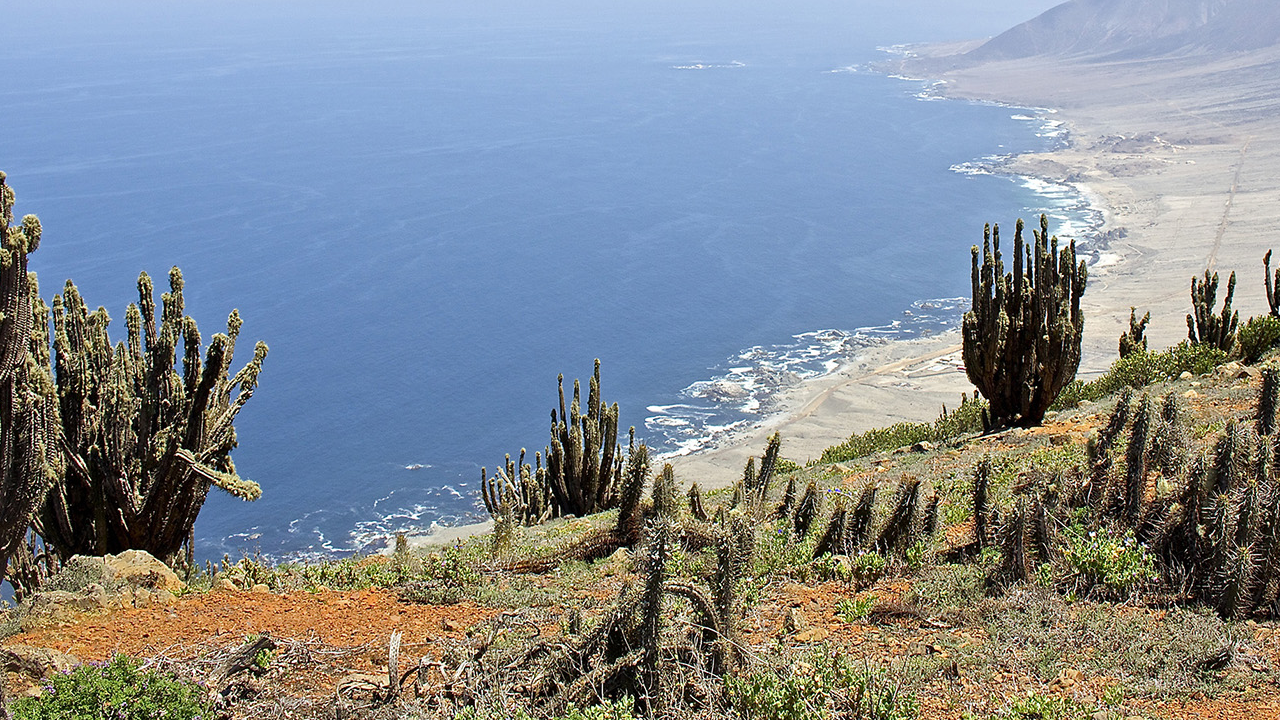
(1132, 340)
(1204, 327)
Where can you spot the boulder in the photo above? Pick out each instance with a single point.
(140, 569)
(36, 663)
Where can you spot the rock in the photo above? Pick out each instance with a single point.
(1186, 375)
(794, 622)
(620, 556)
(813, 635)
(450, 625)
(923, 446)
(1059, 439)
(260, 588)
(140, 569)
(225, 585)
(1083, 404)
(37, 663)
(1191, 394)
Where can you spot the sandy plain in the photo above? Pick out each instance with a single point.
(1182, 156)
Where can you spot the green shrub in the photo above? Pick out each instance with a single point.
(827, 685)
(965, 419)
(118, 690)
(853, 610)
(1041, 707)
(1139, 369)
(1100, 561)
(1258, 335)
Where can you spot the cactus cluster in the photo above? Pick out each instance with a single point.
(1204, 327)
(849, 531)
(636, 650)
(1022, 336)
(1210, 524)
(583, 470)
(144, 442)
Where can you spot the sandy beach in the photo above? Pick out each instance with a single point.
(1182, 158)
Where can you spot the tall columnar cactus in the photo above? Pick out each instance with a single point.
(29, 461)
(1273, 285)
(1133, 340)
(144, 441)
(1022, 337)
(1204, 327)
(584, 465)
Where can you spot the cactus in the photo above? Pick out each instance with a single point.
(1268, 401)
(1273, 286)
(897, 528)
(1022, 337)
(835, 539)
(1133, 341)
(661, 534)
(636, 476)
(29, 462)
(522, 488)
(1135, 471)
(981, 482)
(788, 504)
(860, 520)
(584, 465)
(807, 511)
(696, 506)
(1169, 443)
(1097, 490)
(1205, 328)
(144, 444)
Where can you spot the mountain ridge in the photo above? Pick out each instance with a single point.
(1136, 29)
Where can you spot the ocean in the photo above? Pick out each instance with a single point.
(429, 211)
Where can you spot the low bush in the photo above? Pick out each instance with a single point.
(950, 424)
(824, 685)
(120, 689)
(1258, 335)
(1139, 369)
(1100, 562)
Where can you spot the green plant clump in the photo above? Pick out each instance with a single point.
(965, 419)
(829, 685)
(1258, 335)
(118, 690)
(1101, 561)
(1139, 369)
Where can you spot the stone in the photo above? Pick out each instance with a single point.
(450, 625)
(923, 446)
(813, 635)
(620, 556)
(141, 569)
(794, 622)
(260, 588)
(1186, 375)
(1191, 394)
(225, 585)
(36, 663)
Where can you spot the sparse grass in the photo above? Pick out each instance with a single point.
(948, 426)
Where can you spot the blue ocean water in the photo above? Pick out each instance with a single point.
(429, 212)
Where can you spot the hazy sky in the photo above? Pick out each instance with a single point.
(891, 21)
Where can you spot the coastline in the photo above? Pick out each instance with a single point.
(1167, 176)
(1178, 164)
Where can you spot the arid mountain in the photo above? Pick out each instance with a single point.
(1131, 29)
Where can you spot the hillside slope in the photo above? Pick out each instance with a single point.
(1131, 29)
